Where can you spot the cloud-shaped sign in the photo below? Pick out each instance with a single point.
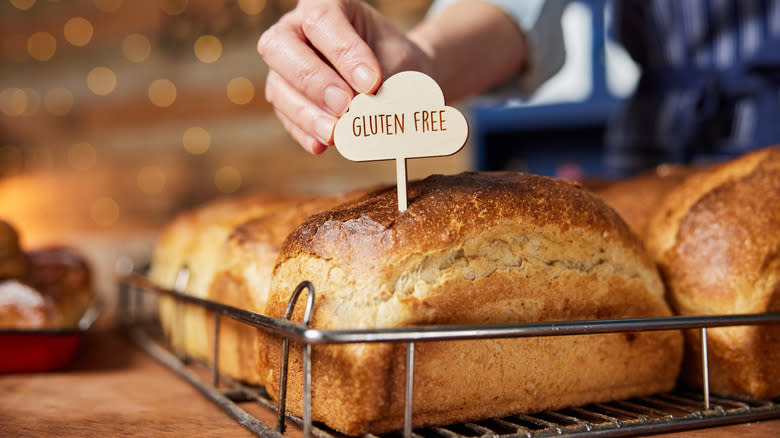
(406, 118)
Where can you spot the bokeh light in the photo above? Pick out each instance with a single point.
(82, 156)
(173, 7)
(227, 179)
(41, 46)
(196, 140)
(58, 101)
(33, 101)
(108, 5)
(162, 93)
(104, 211)
(136, 47)
(208, 48)
(251, 7)
(13, 101)
(240, 90)
(78, 31)
(151, 179)
(23, 5)
(101, 81)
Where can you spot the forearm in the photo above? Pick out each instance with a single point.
(473, 46)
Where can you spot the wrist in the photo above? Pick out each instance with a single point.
(421, 37)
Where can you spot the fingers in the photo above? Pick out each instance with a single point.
(289, 56)
(307, 123)
(330, 31)
(317, 60)
(309, 143)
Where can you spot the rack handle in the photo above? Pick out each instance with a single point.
(282, 405)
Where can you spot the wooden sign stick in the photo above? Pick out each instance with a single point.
(400, 176)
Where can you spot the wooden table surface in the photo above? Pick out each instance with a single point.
(113, 389)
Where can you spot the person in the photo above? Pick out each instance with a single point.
(709, 88)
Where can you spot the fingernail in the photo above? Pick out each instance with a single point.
(336, 99)
(324, 128)
(365, 78)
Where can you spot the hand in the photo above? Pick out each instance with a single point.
(323, 52)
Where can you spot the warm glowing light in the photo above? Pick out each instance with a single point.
(150, 179)
(11, 158)
(101, 80)
(58, 101)
(136, 47)
(33, 101)
(240, 90)
(104, 211)
(196, 140)
(208, 48)
(82, 156)
(173, 7)
(41, 46)
(251, 7)
(108, 5)
(227, 179)
(23, 4)
(162, 93)
(78, 31)
(13, 101)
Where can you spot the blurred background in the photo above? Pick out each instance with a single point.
(117, 114)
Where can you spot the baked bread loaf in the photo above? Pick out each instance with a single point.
(636, 199)
(243, 278)
(717, 241)
(471, 249)
(193, 241)
(12, 261)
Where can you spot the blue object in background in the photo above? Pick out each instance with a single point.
(564, 138)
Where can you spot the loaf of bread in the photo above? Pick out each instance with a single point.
(243, 277)
(193, 241)
(636, 199)
(717, 240)
(471, 249)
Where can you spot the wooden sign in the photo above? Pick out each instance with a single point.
(406, 118)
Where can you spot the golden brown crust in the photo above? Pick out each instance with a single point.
(444, 209)
(193, 240)
(636, 199)
(243, 277)
(472, 249)
(717, 241)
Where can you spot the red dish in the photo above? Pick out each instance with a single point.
(34, 351)
(29, 351)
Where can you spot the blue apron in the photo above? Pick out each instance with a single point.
(710, 83)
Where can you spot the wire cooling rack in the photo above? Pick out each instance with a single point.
(678, 410)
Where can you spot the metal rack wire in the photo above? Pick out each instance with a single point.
(678, 410)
